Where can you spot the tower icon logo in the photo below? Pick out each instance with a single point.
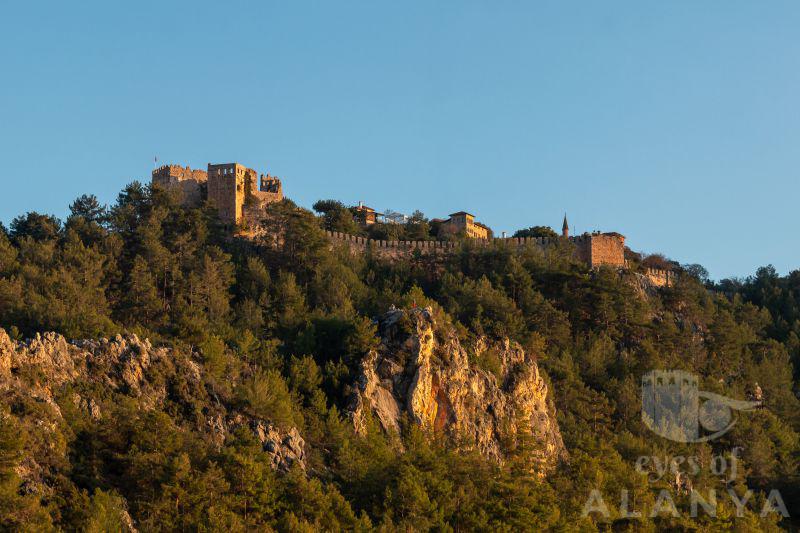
(674, 407)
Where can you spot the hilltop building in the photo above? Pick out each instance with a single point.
(392, 217)
(364, 215)
(463, 222)
(460, 222)
(231, 187)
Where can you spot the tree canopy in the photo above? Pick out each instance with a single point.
(288, 322)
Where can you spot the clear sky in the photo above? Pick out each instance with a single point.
(673, 122)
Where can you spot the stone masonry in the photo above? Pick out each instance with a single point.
(231, 186)
(601, 248)
(240, 194)
(595, 250)
(182, 179)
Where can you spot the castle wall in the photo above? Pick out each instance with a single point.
(184, 180)
(583, 248)
(400, 248)
(226, 183)
(267, 189)
(595, 250)
(659, 278)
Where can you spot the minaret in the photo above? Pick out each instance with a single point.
(565, 228)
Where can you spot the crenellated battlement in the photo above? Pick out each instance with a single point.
(179, 173)
(588, 248)
(184, 180)
(241, 194)
(659, 277)
(432, 246)
(229, 187)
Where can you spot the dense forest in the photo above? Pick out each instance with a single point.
(277, 324)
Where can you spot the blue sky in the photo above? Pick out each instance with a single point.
(675, 123)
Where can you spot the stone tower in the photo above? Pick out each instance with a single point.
(226, 189)
(565, 228)
(231, 186)
(597, 249)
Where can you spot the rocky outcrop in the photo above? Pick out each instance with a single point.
(91, 370)
(6, 347)
(429, 377)
(286, 449)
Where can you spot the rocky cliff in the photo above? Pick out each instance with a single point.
(428, 376)
(91, 374)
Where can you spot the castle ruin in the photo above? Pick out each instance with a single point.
(240, 194)
(230, 187)
(184, 180)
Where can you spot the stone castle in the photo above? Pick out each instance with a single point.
(240, 193)
(230, 187)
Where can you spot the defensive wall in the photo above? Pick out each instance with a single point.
(660, 278)
(185, 180)
(594, 249)
(231, 187)
(399, 247)
(240, 195)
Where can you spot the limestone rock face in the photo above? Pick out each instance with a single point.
(91, 370)
(429, 377)
(285, 448)
(6, 347)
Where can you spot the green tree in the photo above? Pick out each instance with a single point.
(142, 303)
(89, 208)
(538, 232)
(107, 513)
(290, 304)
(17, 512)
(266, 396)
(335, 216)
(417, 228)
(210, 284)
(36, 226)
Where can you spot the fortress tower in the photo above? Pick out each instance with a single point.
(598, 249)
(233, 188)
(226, 189)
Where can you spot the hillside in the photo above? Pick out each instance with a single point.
(158, 373)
